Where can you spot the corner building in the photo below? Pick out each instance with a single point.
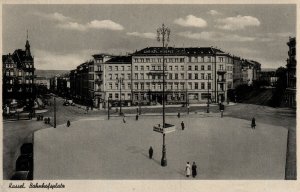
(192, 75)
(18, 76)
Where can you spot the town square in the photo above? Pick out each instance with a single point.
(167, 92)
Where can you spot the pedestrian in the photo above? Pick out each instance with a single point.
(178, 115)
(48, 120)
(150, 152)
(124, 119)
(188, 169)
(194, 170)
(222, 107)
(68, 123)
(253, 123)
(137, 117)
(182, 125)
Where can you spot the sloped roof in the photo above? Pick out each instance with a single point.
(120, 59)
(178, 51)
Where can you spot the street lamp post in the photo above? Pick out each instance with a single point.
(207, 94)
(108, 112)
(54, 119)
(120, 81)
(163, 34)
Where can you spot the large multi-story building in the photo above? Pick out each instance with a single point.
(291, 73)
(250, 71)
(237, 72)
(18, 76)
(192, 75)
(118, 82)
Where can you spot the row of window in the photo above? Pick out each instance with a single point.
(158, 86)
(27, 81)
(118, 68)
(174, 96)
(12, 73)
(28, 89)
(191, 59)
(10, 65)
(159, 76)
(170, 67)
(158, 60)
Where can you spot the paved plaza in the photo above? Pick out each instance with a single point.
(223, 148)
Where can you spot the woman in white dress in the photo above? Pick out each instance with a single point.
(188, 169)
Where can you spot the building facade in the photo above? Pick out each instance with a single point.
(192, 75)
(237, 72)
(117, 85)
(291, 73)
(18, 76)
(250, 71)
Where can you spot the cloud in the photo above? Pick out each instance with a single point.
(214, 12)
(72, 26)
(142, 35)
(65, 22)
(56, 61)
(237, 23)
(104, 24)
(95, 24)
(215, 36)
(53, 16)
(191, 21)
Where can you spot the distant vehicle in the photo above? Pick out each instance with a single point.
(66, 103)
(70, 101)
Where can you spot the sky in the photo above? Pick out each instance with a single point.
(64, 36)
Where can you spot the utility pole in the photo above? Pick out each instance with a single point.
(163, 34)
(208, 77)
(120, 81)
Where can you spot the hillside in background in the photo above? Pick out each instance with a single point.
(49, 73)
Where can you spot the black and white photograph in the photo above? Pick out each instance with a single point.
(148, 92)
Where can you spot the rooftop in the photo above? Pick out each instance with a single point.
(179, 51)
(120, 59)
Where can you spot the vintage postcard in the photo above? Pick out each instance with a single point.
(149, 96)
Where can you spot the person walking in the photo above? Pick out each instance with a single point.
(253, 123)
(124, 119)
(137, 117)
(182, 125)
(194, 170)
(68, 123)
(178, 115)
(150, 152)
(188, 169)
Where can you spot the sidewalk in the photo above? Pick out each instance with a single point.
(156, 106)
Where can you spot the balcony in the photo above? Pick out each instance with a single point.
(221, 80)
(221, 71)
